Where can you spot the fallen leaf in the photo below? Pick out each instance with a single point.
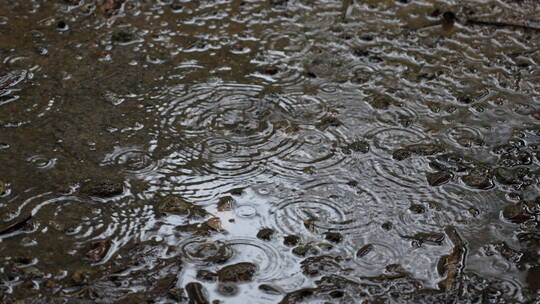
(98, 250)
(215, 223)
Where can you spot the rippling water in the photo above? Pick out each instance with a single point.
(271, 151)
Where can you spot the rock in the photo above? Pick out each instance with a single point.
(401, 154)
(265, 234)
(173, 204)
(325, 246)
(240, 272)
(387, 226)
(478, 178)
(327, 122)
(303, 250)
(334, 237)
(432, 238)
(269, 289)
(417, 208)
(356, 146)
(314, 266)
(215, 252)
(507, 176)
(362, 252)
(517, 213)
(438, 178)
(291, 240)
(197, 293)
(104, 189)
(208, 276)
(425, 149)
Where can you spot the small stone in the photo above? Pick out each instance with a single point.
(365, 250)
(401, 154)
(334, 237)
(327, 122)
(432, 238)
(208, 276)
(314, 266)
(417, 208)
(357, 146)
(325, 246)
(240, 272)
(104, 189)
(425, 149)
(269, 289)
(173, 204)
(197, 293)
(291, 240)
(265, 234)
(387, 225)
(517, 213)
(438, 178)
(507, 176)
(303, 250)
(482, 182)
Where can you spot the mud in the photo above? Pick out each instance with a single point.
(272, 151)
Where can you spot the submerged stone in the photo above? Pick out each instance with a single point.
(205, 275)
(270, 289)
(365, 250)
(104, 189)
(303, 250)
(173, 204)
(507, 176)
(357, 146)
(425, 149)
(327, 122)
(334, 237)
(291, 240)
(478, 178)
(265, 234)
(438, 178)
(240, 272)
(197, 294)
(314, 266)
(517, 213)
(431, 238)
(401, 154)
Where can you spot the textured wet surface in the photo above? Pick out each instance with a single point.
(273, 151)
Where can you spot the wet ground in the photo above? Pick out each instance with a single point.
(269, 151)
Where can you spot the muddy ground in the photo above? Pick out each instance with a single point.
(270, 151)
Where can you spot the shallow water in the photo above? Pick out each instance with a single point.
(291, 151)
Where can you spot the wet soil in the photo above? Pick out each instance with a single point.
(270, 151)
